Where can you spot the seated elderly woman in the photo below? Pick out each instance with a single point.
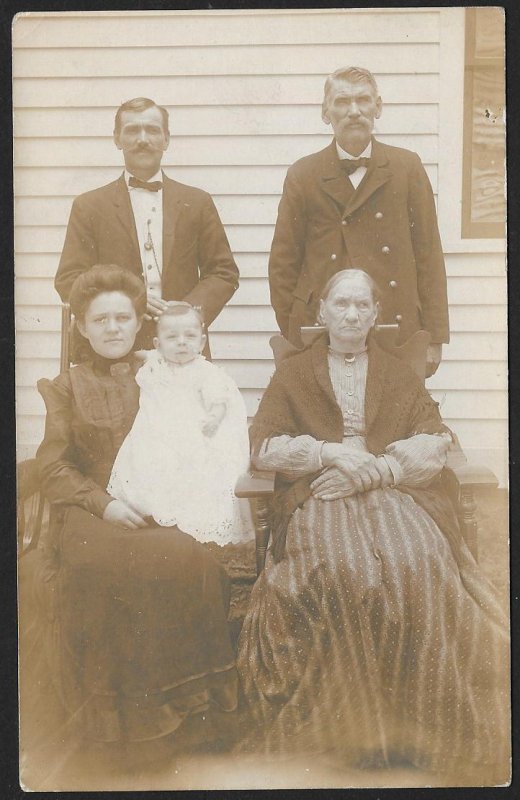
(371, 635)
(140, 642)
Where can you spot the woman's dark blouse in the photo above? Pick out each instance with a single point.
(90, 410)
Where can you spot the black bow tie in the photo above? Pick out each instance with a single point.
(350, 165)
(151, 186)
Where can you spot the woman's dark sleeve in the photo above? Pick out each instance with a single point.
(425, 416)
(275, 415)
(61, 478)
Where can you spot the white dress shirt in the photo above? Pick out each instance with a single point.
(358, 175)
(148, 215)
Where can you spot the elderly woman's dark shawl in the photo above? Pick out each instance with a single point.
(300, 400)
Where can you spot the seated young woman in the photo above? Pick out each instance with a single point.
(140, 641)
(371, 637)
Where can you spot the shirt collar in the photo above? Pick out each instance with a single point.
(157, 177)
(367, 152)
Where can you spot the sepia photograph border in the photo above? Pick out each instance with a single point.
(7, 321)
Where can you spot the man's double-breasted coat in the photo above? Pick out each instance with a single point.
(387, 227)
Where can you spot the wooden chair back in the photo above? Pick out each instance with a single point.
(33, 509)
(413, 351)
(66, 335)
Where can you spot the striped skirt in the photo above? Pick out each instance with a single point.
(370, 643)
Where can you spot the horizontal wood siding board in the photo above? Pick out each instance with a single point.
(244, 318)
(255, 374)
(227, 345)
(267, 120)
(288, 59)
(254, 265)
(243, 239)
(209, 89)
(476, 405)
(239, 180)
(202, 30)
(233, 210)
(462, 291)
(225, 150)
(237, 209)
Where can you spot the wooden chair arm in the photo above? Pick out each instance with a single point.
(461, 479)
(27, 478)
(474, 475)
(33, 509)
(255, 484)
(258, 486)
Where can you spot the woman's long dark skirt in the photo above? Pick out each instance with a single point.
(140, 636)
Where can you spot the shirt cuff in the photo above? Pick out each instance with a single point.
(320, 448)
(394, 467)
(97, 501)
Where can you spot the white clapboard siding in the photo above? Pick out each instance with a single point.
(254, 265)
(244, 120)
(223, 28)
(211, 60)
(206, 149)
(198, 120)
(243, 90)
(483, 405)
(462, 291)
(255, 318)
(258, 90)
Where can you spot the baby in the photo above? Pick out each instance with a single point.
(189, 441)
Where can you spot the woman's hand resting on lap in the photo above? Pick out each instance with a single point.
(118, 513)
(351, 471)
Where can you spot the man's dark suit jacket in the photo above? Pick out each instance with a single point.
(198, 265)
(387, 227)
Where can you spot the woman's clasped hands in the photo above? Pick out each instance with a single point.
(349, 472)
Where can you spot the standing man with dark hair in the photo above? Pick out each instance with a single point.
(362, 204)
(166, 232)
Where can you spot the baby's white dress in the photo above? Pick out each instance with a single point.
(168, 469)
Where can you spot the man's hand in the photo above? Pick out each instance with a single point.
(154, 307)
(118, 513)
(433, 359)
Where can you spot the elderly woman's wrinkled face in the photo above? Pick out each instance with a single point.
(110, 324)
(349, 312)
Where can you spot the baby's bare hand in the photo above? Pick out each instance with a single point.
(210, 427)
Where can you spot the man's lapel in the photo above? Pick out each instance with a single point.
(376, 175)
(124, 212)
(334, 181)
(172, 209)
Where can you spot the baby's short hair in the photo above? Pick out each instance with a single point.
(179, 308)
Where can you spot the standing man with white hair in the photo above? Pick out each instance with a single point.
(361, 204)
